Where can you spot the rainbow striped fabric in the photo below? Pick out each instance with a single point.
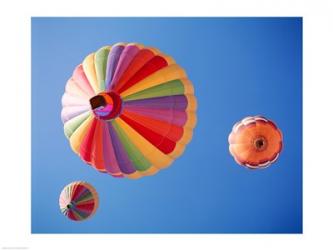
(78, 200)
(129, 110)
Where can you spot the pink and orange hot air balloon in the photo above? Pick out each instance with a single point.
(255, 142)
(129, 110)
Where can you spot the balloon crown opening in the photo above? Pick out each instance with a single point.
(70, 205)
(260, 143)
(106, 105)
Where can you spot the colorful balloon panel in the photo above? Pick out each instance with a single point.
(255, 142)
(78, 201)
(129, 110)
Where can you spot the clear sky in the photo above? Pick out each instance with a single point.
(239, 67)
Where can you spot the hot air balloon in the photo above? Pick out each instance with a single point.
(129, 110)
(255, 142)
(78, 200)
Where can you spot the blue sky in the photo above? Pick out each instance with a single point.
(239, 67)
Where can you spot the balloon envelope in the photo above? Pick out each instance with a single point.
(255, 142)
(78, 200)
(128, 110)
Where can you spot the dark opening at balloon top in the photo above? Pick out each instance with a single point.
(106, 105)
(260, 143)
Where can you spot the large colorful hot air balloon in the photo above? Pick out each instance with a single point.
(128, 110)
(78, 201)
(255, 142)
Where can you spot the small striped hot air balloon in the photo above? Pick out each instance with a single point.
(78, 201)
(255, 142)
(129, 110)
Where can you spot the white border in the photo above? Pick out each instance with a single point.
(15, 122)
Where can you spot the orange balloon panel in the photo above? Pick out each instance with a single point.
(255, 142)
